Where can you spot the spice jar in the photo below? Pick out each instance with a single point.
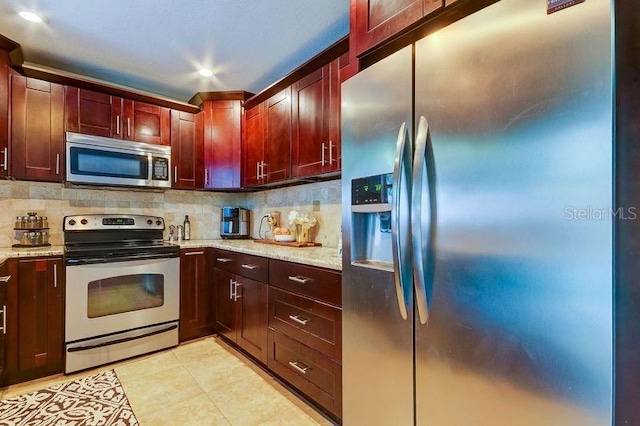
(32, 221)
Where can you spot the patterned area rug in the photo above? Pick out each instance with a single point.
(94, 400)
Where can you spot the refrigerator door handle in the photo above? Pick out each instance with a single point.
(423, 185)
(400, 220)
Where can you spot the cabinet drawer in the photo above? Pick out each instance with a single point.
(245, 265)
(316, 283)
(315, 324)
(309, 371)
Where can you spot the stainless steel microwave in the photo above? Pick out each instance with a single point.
(96, 160)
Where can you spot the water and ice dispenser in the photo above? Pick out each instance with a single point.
(371, 232)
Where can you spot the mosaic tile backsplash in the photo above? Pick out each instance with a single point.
(55, 201)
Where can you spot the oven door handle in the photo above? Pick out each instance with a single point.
(128, 258)
(124, 339)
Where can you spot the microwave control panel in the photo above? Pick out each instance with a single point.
(376, 189)
(160, 168)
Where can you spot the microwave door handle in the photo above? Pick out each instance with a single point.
(423, 219)
(399, 218)
(150, 167)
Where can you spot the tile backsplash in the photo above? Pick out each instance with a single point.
(55, 201)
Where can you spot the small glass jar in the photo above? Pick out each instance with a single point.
(45, 237)
(45, 222)
(32, 221)
(32, 238)
(24, 239)
(38, 238)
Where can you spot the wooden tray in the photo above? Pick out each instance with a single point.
(288, 243)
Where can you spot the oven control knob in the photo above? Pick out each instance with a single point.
(158, 222)
(72, 222)
(149, 222)
(84, 221)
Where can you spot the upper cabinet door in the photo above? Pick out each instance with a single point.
(378, 20)
(37, 129)
(253, 145)
(4, 113)
(143, 122)
(278, 136)
(187, 150)
(310, 113)
(222, 144)
(98, 114)
(93, 113)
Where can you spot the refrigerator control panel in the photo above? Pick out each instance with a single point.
(376, 189)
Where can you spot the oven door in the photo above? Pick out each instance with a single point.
(106, 298)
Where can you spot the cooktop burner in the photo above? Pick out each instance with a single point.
(103, 238)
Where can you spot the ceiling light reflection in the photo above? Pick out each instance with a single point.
(205, 72)
(30, 16)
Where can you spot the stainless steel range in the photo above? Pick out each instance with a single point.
(123, 293)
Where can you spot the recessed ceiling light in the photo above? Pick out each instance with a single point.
(205, 72)
(30, 16)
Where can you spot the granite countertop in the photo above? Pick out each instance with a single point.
(8, 252)
(324, 257)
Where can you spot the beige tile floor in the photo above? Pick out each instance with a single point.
(199, 383)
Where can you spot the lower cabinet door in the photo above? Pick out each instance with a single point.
(225, 307)
(35, 333)
(195, 296)
(253, 301)
(4, 278)
(313, 374)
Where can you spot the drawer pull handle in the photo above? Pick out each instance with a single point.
(4, 319)
(299, 279)
(224, 259)
(246, 266)
(299, 320)
(5, 279)
(295, 366)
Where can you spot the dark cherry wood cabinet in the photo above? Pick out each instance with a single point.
(267, 141)
(4, 280)
(375, 21)
(196, 297)
(310, 144)
(4, 113)
(315, 146)
(253, 299)
(241, 300)
(147, 123)
(278, 137)
(37, 129)
(100, 114)
(187, 147)
(35, 318)
(226, 310)
(253, 145)
(93, 113)
(305, 331)
(222, 144)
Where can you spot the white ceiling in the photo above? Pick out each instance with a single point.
(159, 45)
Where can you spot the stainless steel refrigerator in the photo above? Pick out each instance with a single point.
(477, 223)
